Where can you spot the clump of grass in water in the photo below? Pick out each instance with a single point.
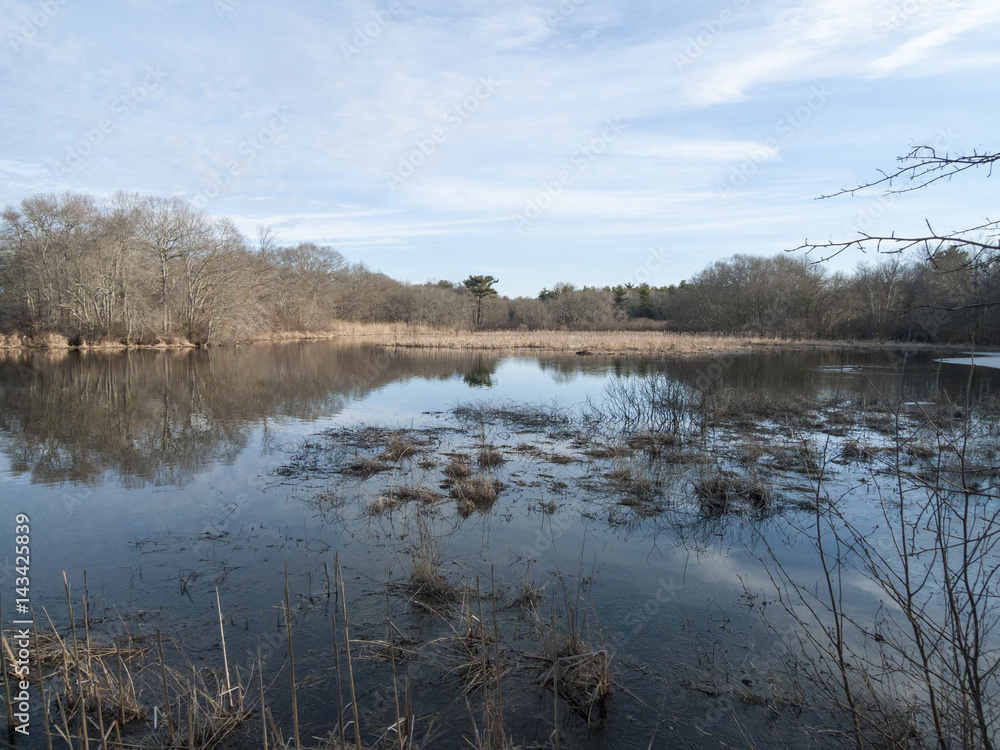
(559, 458)
(473, 643)
(718, 489)
(457, 470)
(398, 495)
(365, 467)
(634, 481)
(609, 451)
(476, 493)
(580, 669)
(802, 457)
(528, 417)
(653, 443)
(422, 494)
(490, 457)
(399, 448)
(742, 404)
(426, 583)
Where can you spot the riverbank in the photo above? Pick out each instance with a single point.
(399, 335)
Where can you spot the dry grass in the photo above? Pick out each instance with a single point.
(747, 406)
(919, 450)
(577, 666)
(478, 652)
(800, 457)
(513, 414)
(654, 443)
(589, 342)
(528, 596)
(426, 583)
(579, 342)
(476, 493)
(609, 451)
(559, 458)
(490, 457)
(457, 470)
(364, 467)
(399, 448)
(718, 490)
(634, 481)
(422, 494)
(857, 450)
(94, 690)
(397, 496)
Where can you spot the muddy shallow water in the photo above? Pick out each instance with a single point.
(167, 476)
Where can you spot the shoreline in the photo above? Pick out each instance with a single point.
(583, 343)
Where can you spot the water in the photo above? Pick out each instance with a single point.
(168, 475)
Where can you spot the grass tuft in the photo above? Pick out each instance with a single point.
(476, 493)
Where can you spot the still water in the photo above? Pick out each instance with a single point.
(165, 476)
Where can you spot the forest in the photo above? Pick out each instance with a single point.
(140, 270)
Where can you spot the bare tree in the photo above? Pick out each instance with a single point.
(170, 230)
(921, 167)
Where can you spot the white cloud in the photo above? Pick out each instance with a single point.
(559, 79)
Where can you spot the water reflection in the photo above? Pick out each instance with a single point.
(481, 374)
(161, 417)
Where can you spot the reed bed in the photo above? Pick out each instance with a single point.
(582, 342)
(125, 693)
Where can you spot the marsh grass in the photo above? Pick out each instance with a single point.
(751, 406)
(858, 450)
(103, 694)
(457, 469)
(653, 443)
(476, 493)
(590, 342)
(515, 415)
(421, 494)
(426, 584)
(719, 491)
(801, 457)
(560, 458)
(363, 467)
(635, 481)
(399, 449)
(576, 665)
(489, 457)
(480, 659)
(395, 496)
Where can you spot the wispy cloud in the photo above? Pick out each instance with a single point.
(699, 90)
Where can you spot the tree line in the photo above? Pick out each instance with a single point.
(140, 269)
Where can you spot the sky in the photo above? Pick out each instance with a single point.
(578, 141)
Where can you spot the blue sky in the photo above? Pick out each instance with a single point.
(580, 141)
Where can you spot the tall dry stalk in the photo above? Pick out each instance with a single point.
(291, 666)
